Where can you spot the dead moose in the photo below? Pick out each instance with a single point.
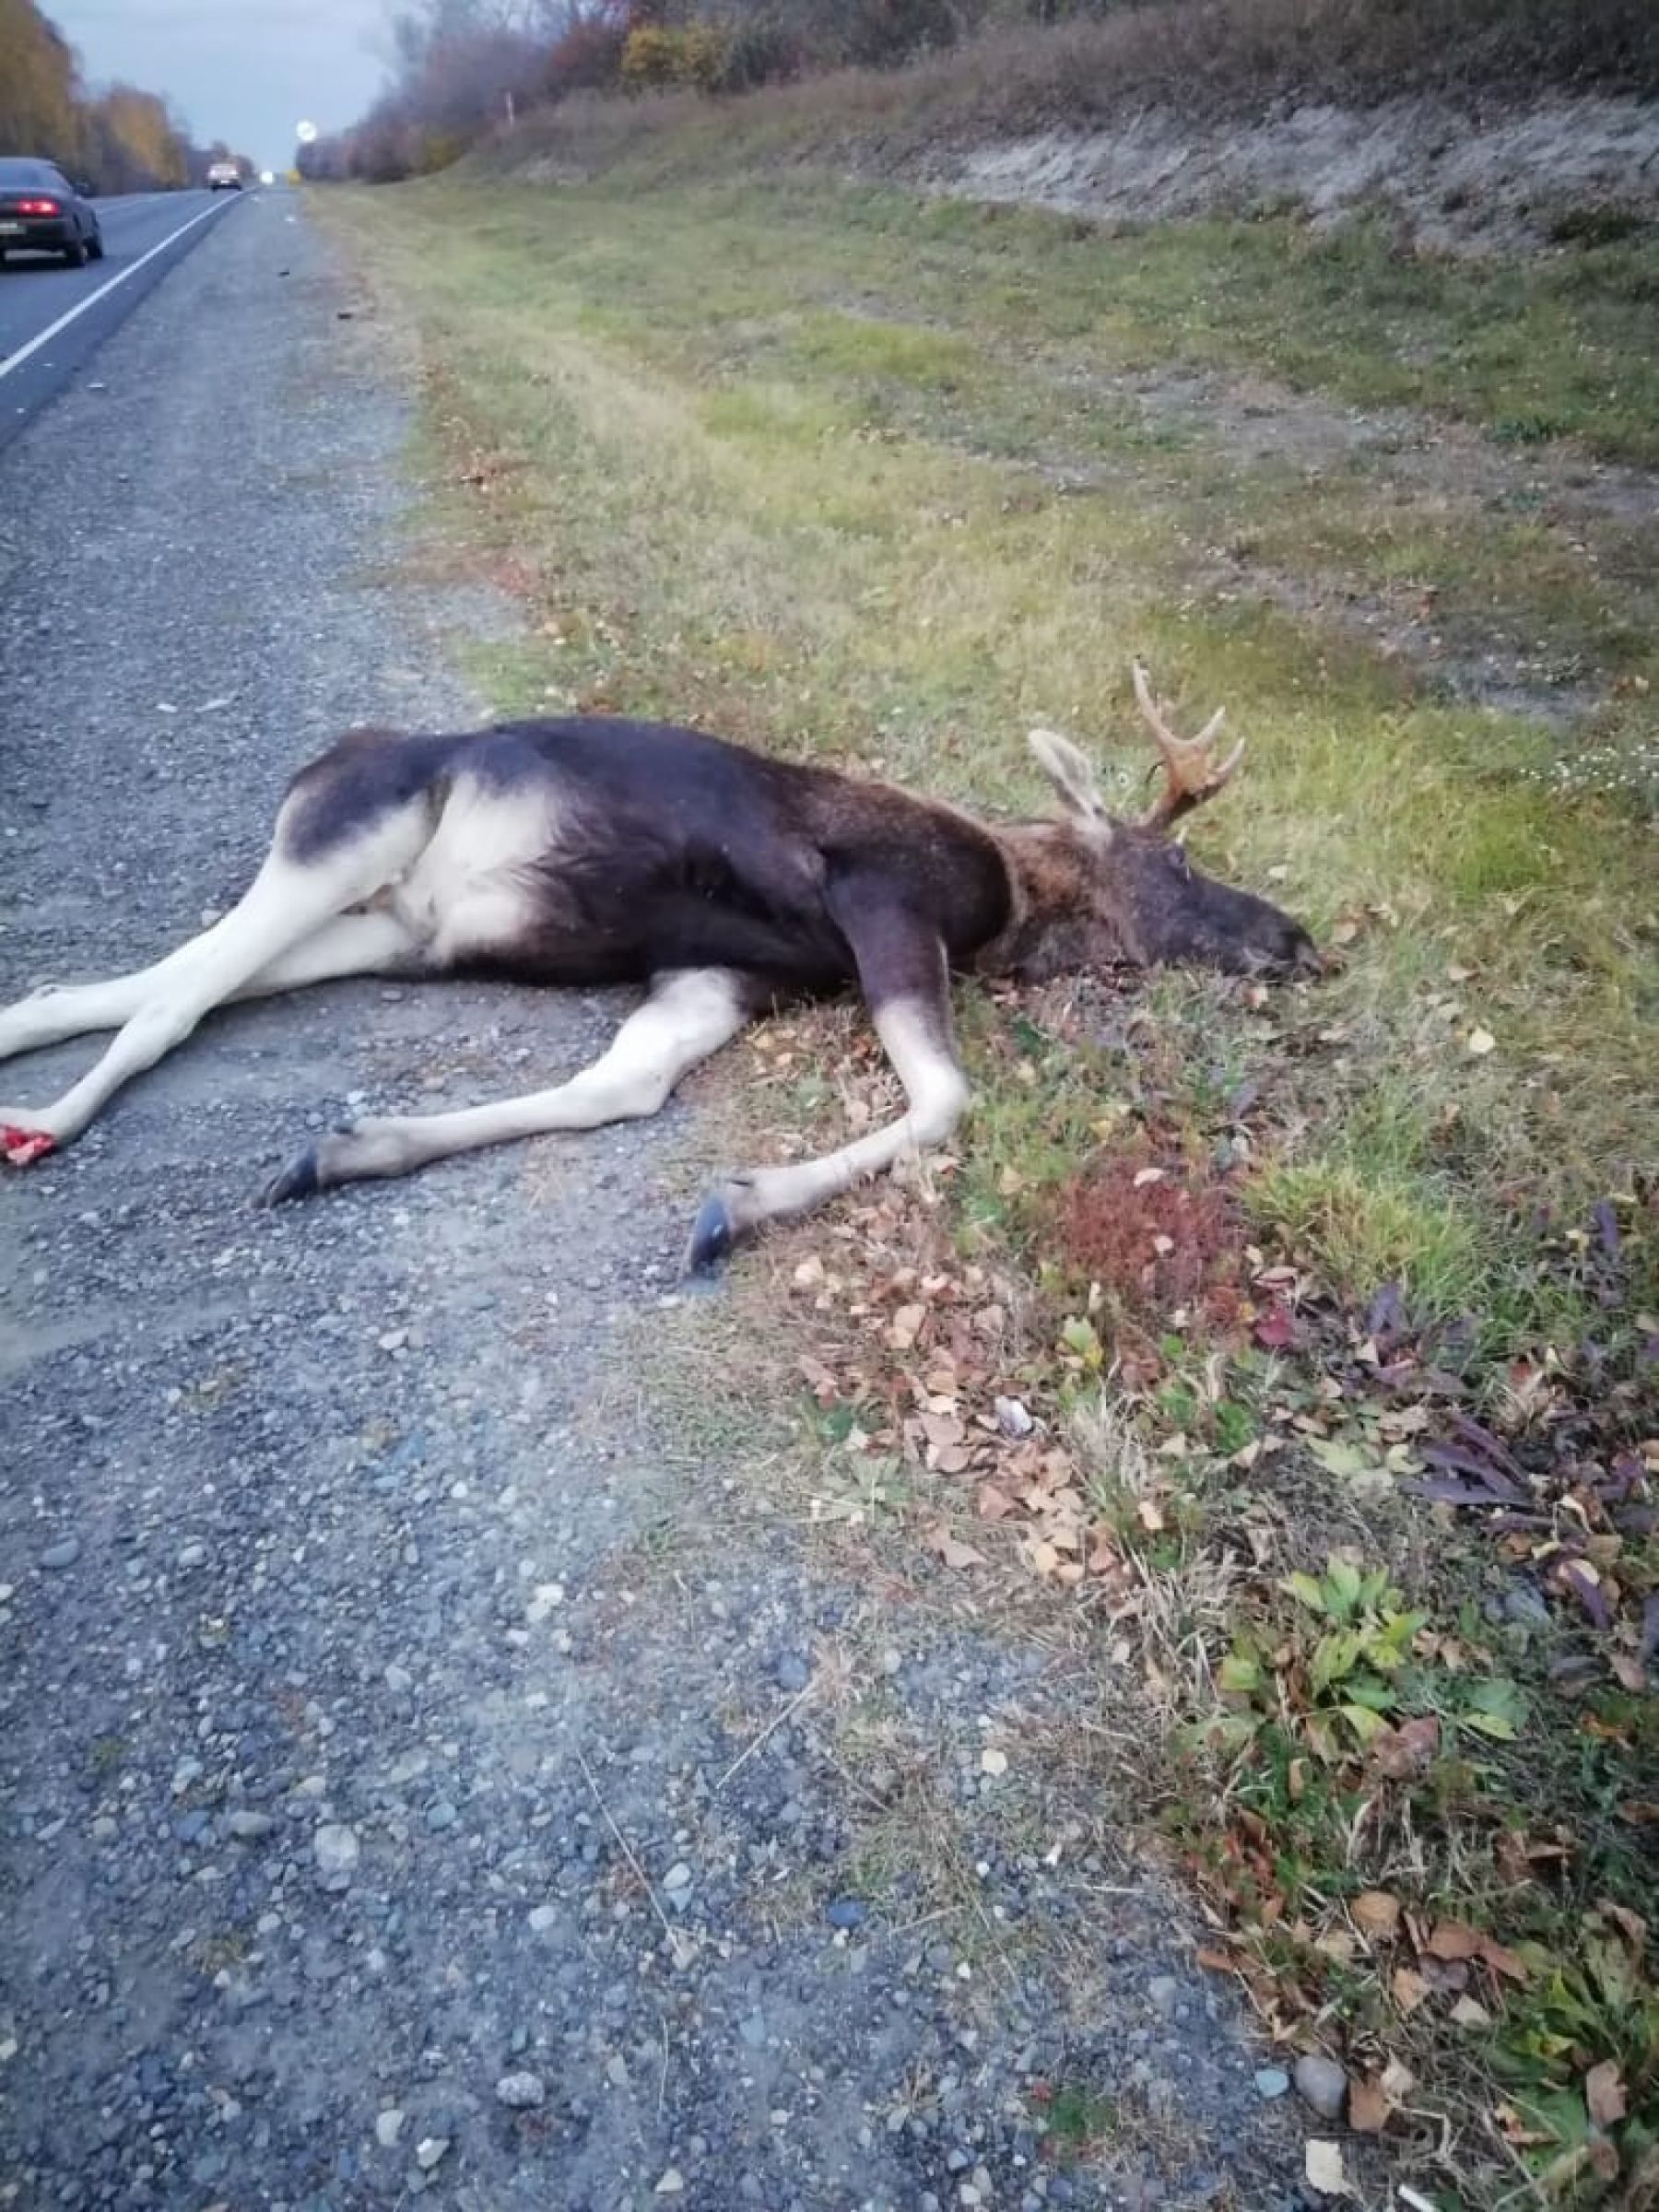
(604, 851)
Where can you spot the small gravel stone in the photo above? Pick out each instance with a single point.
(192, 1555)
(246, 1826)
(63, 1553)
(1321, 2084)
(543, 1917)
(1012, 1417)
(793, 1672)
(847, 1913)
(1271, 2081)
(430, 2151)
(336, 1849)
(520, 2091)
(388, 2126)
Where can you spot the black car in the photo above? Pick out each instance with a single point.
(42, 212)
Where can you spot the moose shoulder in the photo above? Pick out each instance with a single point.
(597, 850)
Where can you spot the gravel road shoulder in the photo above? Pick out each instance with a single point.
(413, 1780)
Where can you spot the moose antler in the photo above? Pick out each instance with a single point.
(1190, 776)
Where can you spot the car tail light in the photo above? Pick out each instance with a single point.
(39, 207)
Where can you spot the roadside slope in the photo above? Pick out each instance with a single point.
(886, 481)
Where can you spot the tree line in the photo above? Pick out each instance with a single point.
(462, 68)
(117, 139)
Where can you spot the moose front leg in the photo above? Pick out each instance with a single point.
(903, 968)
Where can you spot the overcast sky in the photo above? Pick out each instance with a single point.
(246, 71)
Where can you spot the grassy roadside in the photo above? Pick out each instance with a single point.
(1330, 1307)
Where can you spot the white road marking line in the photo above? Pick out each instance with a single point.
(15, 360)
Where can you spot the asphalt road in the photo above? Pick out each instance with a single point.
(53, 320)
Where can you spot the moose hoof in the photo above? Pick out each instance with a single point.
(713, 1237)
(298, 1180)
(21, 1147)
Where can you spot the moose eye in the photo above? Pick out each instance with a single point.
(1179, 863)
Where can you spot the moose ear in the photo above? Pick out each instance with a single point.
(1070, 773)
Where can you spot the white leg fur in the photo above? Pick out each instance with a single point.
(688, 1017)
(286, 905)
(936, 1089)
(378, 943)
(57, 1011)
(370, 944)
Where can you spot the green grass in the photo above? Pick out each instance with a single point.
(888, 483)
(852, 474)
(1376, 1229)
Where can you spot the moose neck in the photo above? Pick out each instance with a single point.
(1063, 914)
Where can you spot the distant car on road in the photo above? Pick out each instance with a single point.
(224, 176)
(42, 212)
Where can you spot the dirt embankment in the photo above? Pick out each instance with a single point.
(1452, 179)
(1464, 170)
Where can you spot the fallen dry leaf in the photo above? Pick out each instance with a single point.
(1400, 1754)
(1503, 1962)
(1604, 2098)
(1518, 2130)
(1407, 1988)
(1376, 1912)
(1398, 2081)
(1368, 2107)
(1451, 1939)
(1468, 2013)
(1603, 2164)
(1632, 1923)
(906, 1326)
(953, 1552)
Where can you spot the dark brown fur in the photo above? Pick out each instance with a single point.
(690, 851)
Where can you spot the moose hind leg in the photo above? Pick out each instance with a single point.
(288, 902)
(377, 942)
(689, 1014)
(57, 1011)
(367, 944)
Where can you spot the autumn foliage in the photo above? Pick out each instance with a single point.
(119, 139)
(1158, 1239)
